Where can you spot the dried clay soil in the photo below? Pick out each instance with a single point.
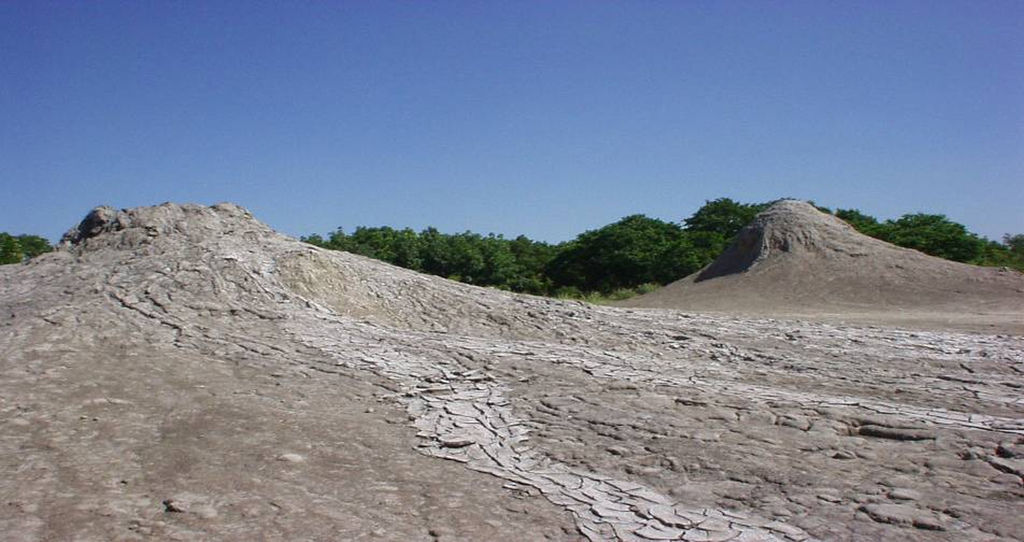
(186, 373)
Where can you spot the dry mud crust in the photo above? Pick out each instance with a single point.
(112, 435)
(185, 372)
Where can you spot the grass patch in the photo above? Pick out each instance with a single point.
(604, 298)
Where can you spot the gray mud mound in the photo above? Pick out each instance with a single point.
(184, 372)
(794, 259)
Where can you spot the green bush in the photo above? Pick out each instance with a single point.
(647, 288)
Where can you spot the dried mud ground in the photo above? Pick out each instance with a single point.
(161, 382)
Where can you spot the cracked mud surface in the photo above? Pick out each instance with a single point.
(183, 372)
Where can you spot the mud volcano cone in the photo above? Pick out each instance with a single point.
(794, 258)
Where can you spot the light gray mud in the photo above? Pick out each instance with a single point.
(184, 372)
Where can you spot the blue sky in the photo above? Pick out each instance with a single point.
(540, 118)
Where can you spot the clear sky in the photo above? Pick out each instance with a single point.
(541, 118)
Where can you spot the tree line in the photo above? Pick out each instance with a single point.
(938, 236)
(637, 253)
(634, 254)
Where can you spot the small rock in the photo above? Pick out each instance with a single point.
(973, 452)
(170, 506)
(1009, 450)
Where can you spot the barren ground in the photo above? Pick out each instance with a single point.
(183, 372)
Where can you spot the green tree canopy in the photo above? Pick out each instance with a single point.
(16, 249)
(489, 260)
(1014, 243)
(933, 234)
(630, 252)
(10, 249)
(724, 217)
(866, 224)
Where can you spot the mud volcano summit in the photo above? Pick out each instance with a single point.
(794, 259)
(184, 372)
